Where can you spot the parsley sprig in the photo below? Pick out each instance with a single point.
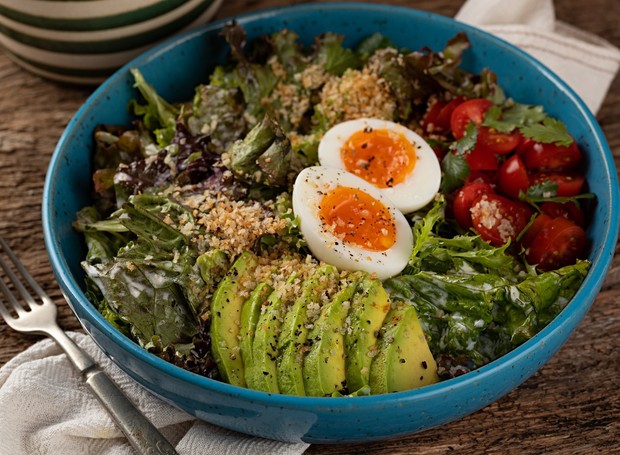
(547, 191)
(530, 120)
(454, 165)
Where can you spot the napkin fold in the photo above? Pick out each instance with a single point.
(46, 408)
(586, 62)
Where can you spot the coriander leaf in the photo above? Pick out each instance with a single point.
(515, 116)
(533, 199)
(550, 131)
(455, 171)
(543, 190)
(467, 142)
(524, 114)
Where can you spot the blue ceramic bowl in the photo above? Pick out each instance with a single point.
(175, 68)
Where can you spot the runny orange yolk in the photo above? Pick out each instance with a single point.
(358, 218)
(382, 157)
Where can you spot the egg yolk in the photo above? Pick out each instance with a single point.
(382, 157)
(358, 218)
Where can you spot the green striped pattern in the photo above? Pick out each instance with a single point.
(65, 40)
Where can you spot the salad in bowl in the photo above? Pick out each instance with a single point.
(328, 221)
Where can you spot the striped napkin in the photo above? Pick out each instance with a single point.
(586, 62)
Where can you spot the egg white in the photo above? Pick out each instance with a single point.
(420, 186)
(310, 186)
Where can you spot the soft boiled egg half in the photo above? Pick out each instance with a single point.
(349, 223)
(387, 155)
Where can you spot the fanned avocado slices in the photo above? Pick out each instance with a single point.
(404, 360)
(368, 311)
(263, 372)
(292, 341)
(324, 366)
(250, 314)
(225, 320)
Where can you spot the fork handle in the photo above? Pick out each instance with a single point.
(141, 434)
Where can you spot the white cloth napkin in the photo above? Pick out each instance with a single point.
(46, 409)
(587, 63)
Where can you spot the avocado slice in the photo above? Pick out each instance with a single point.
(292, 341)
(250, 313)
(262, 374)
(404, 360)
(225, 319)
(323, 368)
(368, 311)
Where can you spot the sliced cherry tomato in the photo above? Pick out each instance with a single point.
(512, 177)
(481, 160)
(468, 111)
(483, 176)
(496, 142)
(440, 151)
(569, 184)
(498, 219)
(560, 242)
(551, 157)
(429, 120)
(524, 145)
(568, 210)
(464, 199)
(532, 231)
(442, 122)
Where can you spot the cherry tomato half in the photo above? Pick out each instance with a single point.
(568, 210)
(445, 114)
(484, 176)
(512, 177)
(551, 157)
(559, 243)
(465, 198)
(481, 160)
(429, 120)
(468, 111)
(532, 231)
(496, 142)
(524, 145)
(569, 184)
(498, 219)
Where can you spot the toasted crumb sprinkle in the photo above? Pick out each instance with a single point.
(355, 95)
(227, 224)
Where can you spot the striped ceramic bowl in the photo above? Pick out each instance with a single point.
(84, 41)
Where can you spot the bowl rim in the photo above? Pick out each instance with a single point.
(581, 301)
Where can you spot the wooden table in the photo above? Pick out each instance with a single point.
(572, 405)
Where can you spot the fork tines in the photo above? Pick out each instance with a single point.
(10, 266)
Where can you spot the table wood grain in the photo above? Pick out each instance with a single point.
(572, 405)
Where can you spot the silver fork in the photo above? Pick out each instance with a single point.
(40, 317)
